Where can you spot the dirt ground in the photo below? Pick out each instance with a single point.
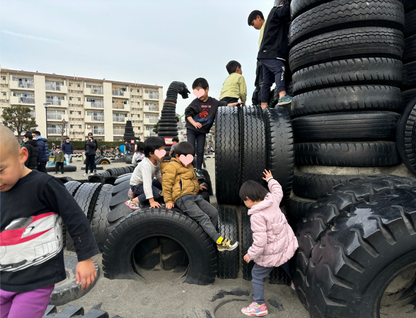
(162, 294)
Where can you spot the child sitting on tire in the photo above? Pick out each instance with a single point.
(181, 187)
(32, 258)
(142, 183)
(274, 242)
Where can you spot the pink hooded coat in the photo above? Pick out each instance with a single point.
(274, 242)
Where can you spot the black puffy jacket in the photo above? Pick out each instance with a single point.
(275, 37)
(43, 149)
(33, 150)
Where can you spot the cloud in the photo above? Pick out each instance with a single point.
(27, 36)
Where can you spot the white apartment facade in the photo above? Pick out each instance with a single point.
(87, 105)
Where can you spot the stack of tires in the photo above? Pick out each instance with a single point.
(168, 127)
(248, 140)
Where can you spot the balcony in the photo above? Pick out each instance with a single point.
(98, 132)
(94, 105)
(15, 100)
(148, 121)
(149, 133)
(93, 91)
(151, 96)
(118, 132)
(56, 88)
(118, 119)
(57, 102)
(121, 107)
(94, 118)
(122, 94)
(148, 109)
(57, 117)
(54, 131)
(22, 85)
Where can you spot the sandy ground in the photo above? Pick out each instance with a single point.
(163, 294)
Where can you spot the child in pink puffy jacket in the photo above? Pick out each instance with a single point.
(274, 242)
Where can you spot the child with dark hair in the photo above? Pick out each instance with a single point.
(274, 242)
(181, 187)
(31, 249)
(139, 153)
(175, 141)
(59, 160)
(200, 116)
(234, 86)
(142, 183)
(273, 49)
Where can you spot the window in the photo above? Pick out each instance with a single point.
(138, 103)
(138, 91)
(79, 85)
(72, 126)
(4, 93)
(3, 78)
(70, 98)
(153, 107)
(79, 126)
(71, 112)
(79, 113)
(152, 94)
(152, 119)
(70, 84)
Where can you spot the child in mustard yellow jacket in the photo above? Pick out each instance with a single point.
(180, 186)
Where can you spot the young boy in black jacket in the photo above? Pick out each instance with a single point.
(200, 116)
(273, 49)
(33, 205)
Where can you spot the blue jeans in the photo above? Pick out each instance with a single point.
(273, 72)
(198, 137)
(139, 192)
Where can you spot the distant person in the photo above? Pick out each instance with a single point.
(179, 180)
(90, 149)
(200, 116)
(274, 242)
(175, 141)
(96, 147)
(146, 189)
(53, 149)
(234, 86)
(59, 160)
(138, 154)
(68, 150)
(43, 158)
(127, 148)
(33, 208)
(33, 151)
(273, 50)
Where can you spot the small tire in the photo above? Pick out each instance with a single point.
(246, 241)
(72, 186)
(406, 136)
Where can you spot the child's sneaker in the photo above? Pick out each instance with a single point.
(256, 310)
(224, 244)
(132, 205)
(130, 194)
(284, 100)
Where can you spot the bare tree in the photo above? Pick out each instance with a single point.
(63, 130)
(18, 119)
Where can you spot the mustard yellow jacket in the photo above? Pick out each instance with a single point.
(178, 180)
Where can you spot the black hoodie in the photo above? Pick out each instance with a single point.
(33, 150)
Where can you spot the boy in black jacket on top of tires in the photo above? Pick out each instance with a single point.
(273, 49)
(31, 248)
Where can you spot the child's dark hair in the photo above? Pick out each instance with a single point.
(151, 144)
(140, 147)
(200, 82)
(252, 190)
(253, 16)
(232, 66)
(28, 135)
(184, 148)
(175, 139)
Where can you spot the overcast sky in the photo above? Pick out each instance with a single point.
(144, 41)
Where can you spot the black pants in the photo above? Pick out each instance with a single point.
(89, 162)
(229, 100)
(197, 137)
(59, 166)
(42, 166)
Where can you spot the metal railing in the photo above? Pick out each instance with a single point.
(26, 85)
(118, 132)
(119, 119)
(118, 106)
(97, 118)
(98, 132)
(54, 131)
(118, 93)
(96, 91)
(55, 116)
(51, 87)
(27, 100)
(54, 101)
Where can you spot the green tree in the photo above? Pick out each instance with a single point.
(18, 119)
(156, 127)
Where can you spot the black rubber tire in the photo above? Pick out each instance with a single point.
(167, 134)
(75, 312)
(347, 98)
(358, 71)
(407, 97)
(122, 178)
(128, 159)
(410, 25)
(228, 262)
(104, 161)
(67, 290)
(406, 136)
(99, 222)
(72, 186)
(312, 186)
(65, 179)
(67, 168)
(86, 197)
(175, 260)
(280, 149)
(253, 144)
(299, 207)
(371, 242)
(147, 255)
(146, 223)
(227, 155)
(351, 126)
(409, 5)
(338, 14)
(348, 154)
(118, 207)
(246, 241)
(168, 246)
(409, 76)
(409, 54)
(348, 43)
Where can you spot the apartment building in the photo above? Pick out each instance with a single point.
(86, 104)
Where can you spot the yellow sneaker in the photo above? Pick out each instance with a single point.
(224, 244)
